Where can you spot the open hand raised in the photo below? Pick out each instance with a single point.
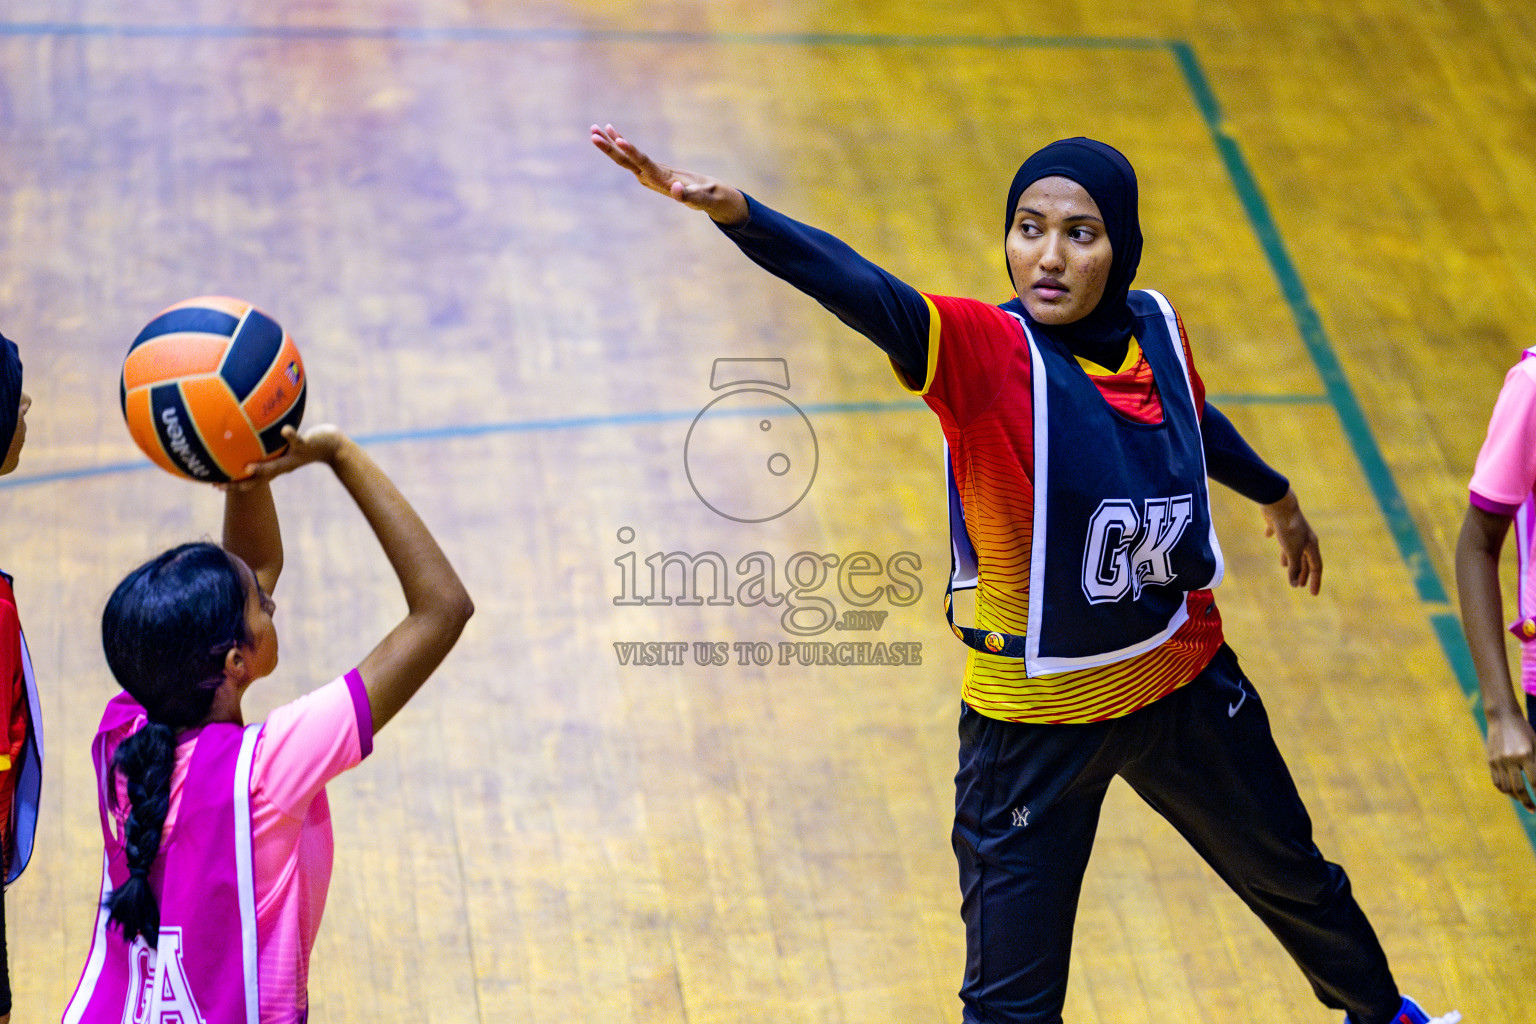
(724, 204)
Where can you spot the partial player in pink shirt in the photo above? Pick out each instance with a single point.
(1502, 493)
(217, 836)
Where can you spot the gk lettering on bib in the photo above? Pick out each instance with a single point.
(1129, 548)
(1121, 531)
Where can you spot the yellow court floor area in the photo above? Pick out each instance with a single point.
(639, 791)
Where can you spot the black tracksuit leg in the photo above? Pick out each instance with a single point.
(1027, 805)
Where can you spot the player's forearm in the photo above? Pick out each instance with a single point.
(872, 301)
(1232, 462)
(1482, 607)
(427, 579)
(252, 531)
(438, 606)
(726, 205)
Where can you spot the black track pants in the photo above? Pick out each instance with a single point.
(1027, 800)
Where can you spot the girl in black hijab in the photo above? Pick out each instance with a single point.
(1079, 443)
(1107, 176)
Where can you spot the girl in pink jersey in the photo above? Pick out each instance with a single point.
(217, 835)
(1501, 493)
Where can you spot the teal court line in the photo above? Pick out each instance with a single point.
(624, 419)
(1443, 619)
(1337, 390)
(491, 34)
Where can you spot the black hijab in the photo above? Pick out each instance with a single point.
(10, 392)
(1108, 177)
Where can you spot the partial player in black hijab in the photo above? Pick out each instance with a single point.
(13, 433)
(10, 393)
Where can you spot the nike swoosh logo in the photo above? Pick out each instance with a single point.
(1232, 708)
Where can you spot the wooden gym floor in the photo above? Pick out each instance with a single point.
(1340, 198)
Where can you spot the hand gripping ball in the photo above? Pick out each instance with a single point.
(209, 385)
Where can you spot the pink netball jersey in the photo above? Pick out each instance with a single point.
(242, 881)
(1504, 483)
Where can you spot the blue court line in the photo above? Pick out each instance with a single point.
(588, 422)
(1356, 428)
(492, 34)
(1443, 619)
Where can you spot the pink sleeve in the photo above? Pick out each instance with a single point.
(1506, 466)
(310, 741)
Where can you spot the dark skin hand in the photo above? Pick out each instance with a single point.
(1511, 742)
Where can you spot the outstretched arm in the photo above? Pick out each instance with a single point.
(724, 204)
(437, 605)
(872, 301)
(1511, 742)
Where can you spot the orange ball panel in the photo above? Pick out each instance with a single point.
(141, 426)
(221, 425)
(279, 389)
(173, 355)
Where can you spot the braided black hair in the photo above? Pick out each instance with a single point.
(166, 631)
